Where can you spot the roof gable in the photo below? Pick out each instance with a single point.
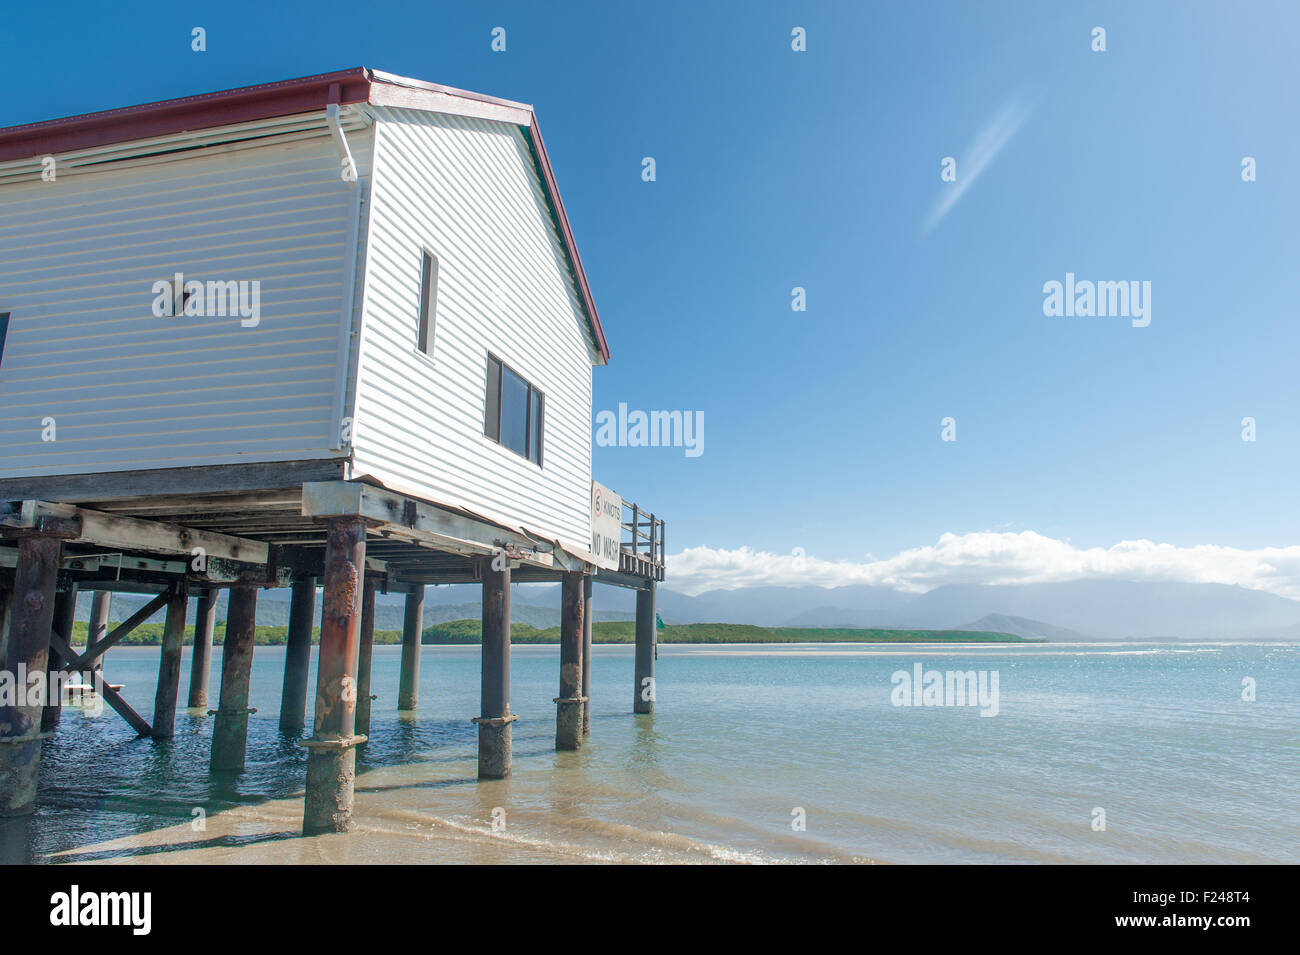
(305, 94)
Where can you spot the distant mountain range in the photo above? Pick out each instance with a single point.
(1024, 627)
(1079, 609)
(1071, 610)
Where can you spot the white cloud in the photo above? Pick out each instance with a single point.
(979, 154)
(991, 557)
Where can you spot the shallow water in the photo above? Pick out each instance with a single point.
(1157, 735)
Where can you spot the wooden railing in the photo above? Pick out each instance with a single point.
(643, 537)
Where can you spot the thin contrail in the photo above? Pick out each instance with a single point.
(978, 155)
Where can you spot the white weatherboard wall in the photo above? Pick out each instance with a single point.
(468, 191)
(78, 261)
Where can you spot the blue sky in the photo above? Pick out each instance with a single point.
(818, 169)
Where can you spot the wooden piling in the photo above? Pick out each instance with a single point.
(230, 731)
(568, 712)
(331, 763)
(644, 699)
(205, 621)
(31, 617)
(65, 613)
(586, 654)
(97, 629)
(169, 667)
(365, 647)
(412, 625)
(6, 599)
(494, 736)
(297, 656)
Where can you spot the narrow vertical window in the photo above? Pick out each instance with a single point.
(4, 330)
(514, 411)
(428, 302)
(492, 420)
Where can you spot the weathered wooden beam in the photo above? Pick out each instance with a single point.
(103, 529)
(157, 505)
(406, 574)
(131, 584)
(276, 475)
(247, 525)
(116, 571)
(427, 524)
(460, 577)
(618, 578)
(17, 521)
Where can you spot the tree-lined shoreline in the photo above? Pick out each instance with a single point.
(468, 632)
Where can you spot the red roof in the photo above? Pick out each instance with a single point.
(302, 95)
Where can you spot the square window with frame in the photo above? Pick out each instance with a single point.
(514, 411)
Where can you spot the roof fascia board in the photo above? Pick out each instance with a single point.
(402, 97)
(205, 111)
(392, 79)
(562, 218)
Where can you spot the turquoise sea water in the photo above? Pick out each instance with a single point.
(1156, 735)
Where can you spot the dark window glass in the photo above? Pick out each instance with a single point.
(492, 422)
(536, 421)
(428, 303)
(4, 330)
(514, 412)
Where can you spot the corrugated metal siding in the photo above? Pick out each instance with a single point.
(78, 261)
(467, 189)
